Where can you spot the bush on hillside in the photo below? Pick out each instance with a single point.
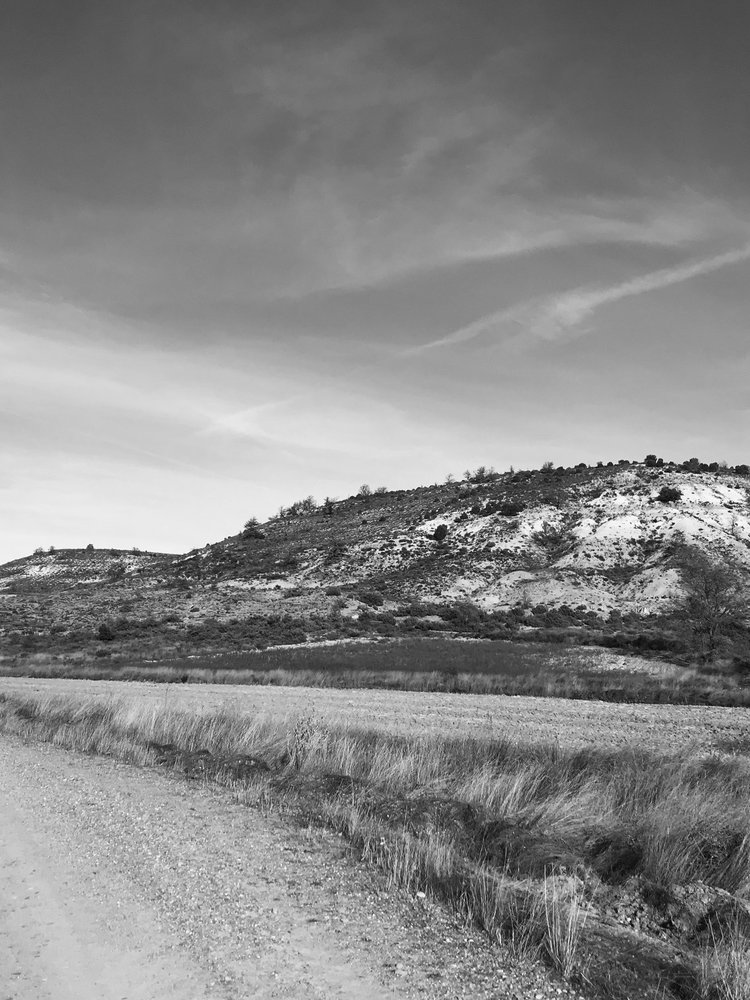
(505, 508)
(465, 615)
(373, 598)
(336, 550)
(252, 529)
(554, 539)
(482, 474)
(669, 494)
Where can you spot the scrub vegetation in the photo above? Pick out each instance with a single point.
(433, 664)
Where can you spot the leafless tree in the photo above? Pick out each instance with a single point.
(715, 606)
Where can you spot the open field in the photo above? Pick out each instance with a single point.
(453, 665)
(661, 729)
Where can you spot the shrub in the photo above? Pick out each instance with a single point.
(252, 529)
(105, 633)
(506, 508)
(465, 615)
(371, 597)
(440, 533)
(336, 551)
(116, 571)
(482, 474)
(554, 539)
(307, 505)
(669, 494)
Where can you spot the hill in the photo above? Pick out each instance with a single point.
(590, 552)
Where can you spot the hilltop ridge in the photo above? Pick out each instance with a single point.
(549, 548)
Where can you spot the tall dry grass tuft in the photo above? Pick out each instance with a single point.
(565, 917)
(724, 970)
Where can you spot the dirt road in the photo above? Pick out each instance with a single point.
(56, 942)
(119, 883)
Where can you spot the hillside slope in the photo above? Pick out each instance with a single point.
(598, 542)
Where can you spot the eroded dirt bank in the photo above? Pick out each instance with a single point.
(118, 882)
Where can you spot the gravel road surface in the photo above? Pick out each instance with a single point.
(123, 883)
(659, 728)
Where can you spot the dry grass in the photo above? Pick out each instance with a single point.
(724, 969)
(509, 836)
(565, 917)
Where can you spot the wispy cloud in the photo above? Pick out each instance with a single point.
(371, 245)
(571, 309)
(551, 318)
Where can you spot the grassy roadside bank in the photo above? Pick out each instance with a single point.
(537, 845)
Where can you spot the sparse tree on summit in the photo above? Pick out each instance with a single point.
(252, 529)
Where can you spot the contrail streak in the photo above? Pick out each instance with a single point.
(548, 319)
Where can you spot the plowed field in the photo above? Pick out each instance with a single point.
(660, 728)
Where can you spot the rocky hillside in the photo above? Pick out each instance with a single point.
(576, 546)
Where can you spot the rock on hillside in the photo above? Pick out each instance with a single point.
(595, 539)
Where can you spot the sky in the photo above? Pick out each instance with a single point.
(252, 250)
